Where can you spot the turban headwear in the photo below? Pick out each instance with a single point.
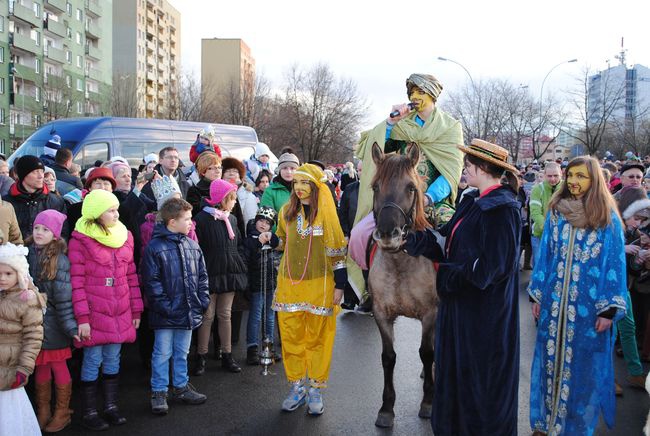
(426, 82)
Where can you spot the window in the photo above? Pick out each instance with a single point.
(80, 85)
(2, 23)
(68, 33)
(79, 38)
(2, 55)
(37, 94)
(68, 9)
(92, 153)
(68, 56)
(35, 35)
(68, 81)
(37, 66)
(79, 107)
(37, 120)
(79, 61)
(2, 85)
(79, 16)
(37, 10)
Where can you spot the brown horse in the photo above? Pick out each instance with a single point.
(400, 285)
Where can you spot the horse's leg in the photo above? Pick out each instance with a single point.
(426, 354)
(386, 415)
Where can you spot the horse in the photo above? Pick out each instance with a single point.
(400, 285)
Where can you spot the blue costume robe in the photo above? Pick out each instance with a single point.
(580, 275)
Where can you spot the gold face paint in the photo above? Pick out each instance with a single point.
(578, 180)
(422, 100)
(301, 186)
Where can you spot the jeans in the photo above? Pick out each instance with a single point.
(169, 344)
(627, 331)
(534, 242)
(107, 356)
(255, 318)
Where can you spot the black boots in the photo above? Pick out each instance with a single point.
(251, 356)
(111, 411)
(199, 365)
(228, 363)
(91, 419)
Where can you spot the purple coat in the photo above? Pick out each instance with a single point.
(105, 291)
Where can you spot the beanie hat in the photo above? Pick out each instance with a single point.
(266, 213)
(288, 159)
(218, 190)
(49, 170)
(52, 146)
(230, 163)
(629, 195)
(15, 256)
(164, 188)
(118, 165)
(52, 219)
(97, 202)
(100, 173)
(26, 164)
(262, 149)
(151, 157)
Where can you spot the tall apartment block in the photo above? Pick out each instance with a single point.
(146, 55)
(226, 65)
(55, 61)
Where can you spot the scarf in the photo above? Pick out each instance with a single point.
(573, 211)
(117, 235)
(223, 216)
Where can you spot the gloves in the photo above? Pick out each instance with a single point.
(21, 380)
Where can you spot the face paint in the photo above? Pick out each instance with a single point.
(578, 180)
(301, 186)
(422, 100)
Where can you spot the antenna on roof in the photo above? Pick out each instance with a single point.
(621, 55)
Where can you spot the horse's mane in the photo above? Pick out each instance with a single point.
(397, 166)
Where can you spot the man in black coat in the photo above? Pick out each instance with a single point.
(29, 196)
(169, 166)
(65, 182)
(347, 212)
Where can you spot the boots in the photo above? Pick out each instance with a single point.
(227, 362)
(199, 366)
(43, 398)
(62, 412)
(111, 411)
(251, 356)
(91, 419)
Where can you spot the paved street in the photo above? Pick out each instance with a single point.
(249, 404)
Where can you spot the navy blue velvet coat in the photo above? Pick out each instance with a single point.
(477, 331)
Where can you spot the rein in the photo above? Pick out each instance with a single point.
(408, 216)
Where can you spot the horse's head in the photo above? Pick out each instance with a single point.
(397, 204)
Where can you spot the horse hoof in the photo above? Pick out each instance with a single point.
(384, 420)
(425, 411)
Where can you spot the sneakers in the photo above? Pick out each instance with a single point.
(159, 403)
(188, 395)
(297, 397)
(315, 405)
(365, 307)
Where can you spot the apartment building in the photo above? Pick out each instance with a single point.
(57, 63)
(146, 56)
(227, 66)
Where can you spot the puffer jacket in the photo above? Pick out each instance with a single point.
(176, 281)
(27, 206)
(21, 333)
(59, 324)
(147, 230)
(105, 291)
(9, 224)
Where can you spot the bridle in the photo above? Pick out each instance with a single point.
(408, 216)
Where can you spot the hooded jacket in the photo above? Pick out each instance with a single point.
(27, 206)
(540, 197)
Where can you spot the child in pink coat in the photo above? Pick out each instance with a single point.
(106, 300)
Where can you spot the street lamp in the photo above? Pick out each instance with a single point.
(478, 109)
(22, 111)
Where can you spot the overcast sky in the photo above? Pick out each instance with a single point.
(379, 43)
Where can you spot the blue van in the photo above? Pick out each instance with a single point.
(92, 139)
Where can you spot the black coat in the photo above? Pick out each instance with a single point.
(224, 257)
(477, 329)
(133, 209)
(347, 180)
(348, 208)
(175, 281)
(180, 178)
(196, 194)
(65, 182)
(27, 206)
(253, 251)
(59, 323)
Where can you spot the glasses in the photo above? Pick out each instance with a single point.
(171, 157)
(634, 177)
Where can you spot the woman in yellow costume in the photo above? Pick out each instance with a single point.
(311, 278)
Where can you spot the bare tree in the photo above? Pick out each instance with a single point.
(126, 96)
(59, 98)
(244, 103)
(518, 111)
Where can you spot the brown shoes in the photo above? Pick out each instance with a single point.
(618, 390)
(637, 381)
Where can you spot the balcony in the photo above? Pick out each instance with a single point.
(57, 6)
(54, 80)
(93, 96)
(151, 15)
(26, 73)
(55, 27)
(151, 30)
(93, 8)
(151, 76)
(24, 43)
(94, 74)
(151, 46)
(92, 30)
(29, 103)
(55, 54)
(93, 52)
(150, 91)
(151, 61)
(24, 14)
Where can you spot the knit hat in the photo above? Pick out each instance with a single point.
(288, 159)
(218, 190)
(49, 170)
(262, 149)
(26, 164)
(164, 189)
(52, 146)
(151, 157)
(118, 165)
(100, 173)
(97, 202)
(266, 213)
(629, 195)
(15, 256)
(52, 219)
(230, 163)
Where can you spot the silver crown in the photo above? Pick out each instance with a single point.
(267, 213)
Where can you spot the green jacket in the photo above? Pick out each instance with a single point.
(275, 196)
(540, 197)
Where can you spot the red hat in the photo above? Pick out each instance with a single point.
(218, 190)
(100, 173)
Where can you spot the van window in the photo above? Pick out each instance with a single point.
(90, 153)
(135, 151)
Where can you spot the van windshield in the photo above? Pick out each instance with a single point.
(35, 147)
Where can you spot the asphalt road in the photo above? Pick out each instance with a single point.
(249, 403)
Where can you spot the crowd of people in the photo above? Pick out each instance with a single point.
(154, 254)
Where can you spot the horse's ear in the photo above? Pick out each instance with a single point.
(413, 154)
(377, 154)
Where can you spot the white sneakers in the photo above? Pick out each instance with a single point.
(298, 396)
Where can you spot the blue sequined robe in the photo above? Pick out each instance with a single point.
(580, 274)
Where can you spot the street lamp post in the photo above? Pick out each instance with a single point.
(478, 109)
(22, 111)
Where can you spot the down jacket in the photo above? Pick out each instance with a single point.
(27, 206)
(175, 281)
(21, 332)
(105, 291)
(59, 324)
